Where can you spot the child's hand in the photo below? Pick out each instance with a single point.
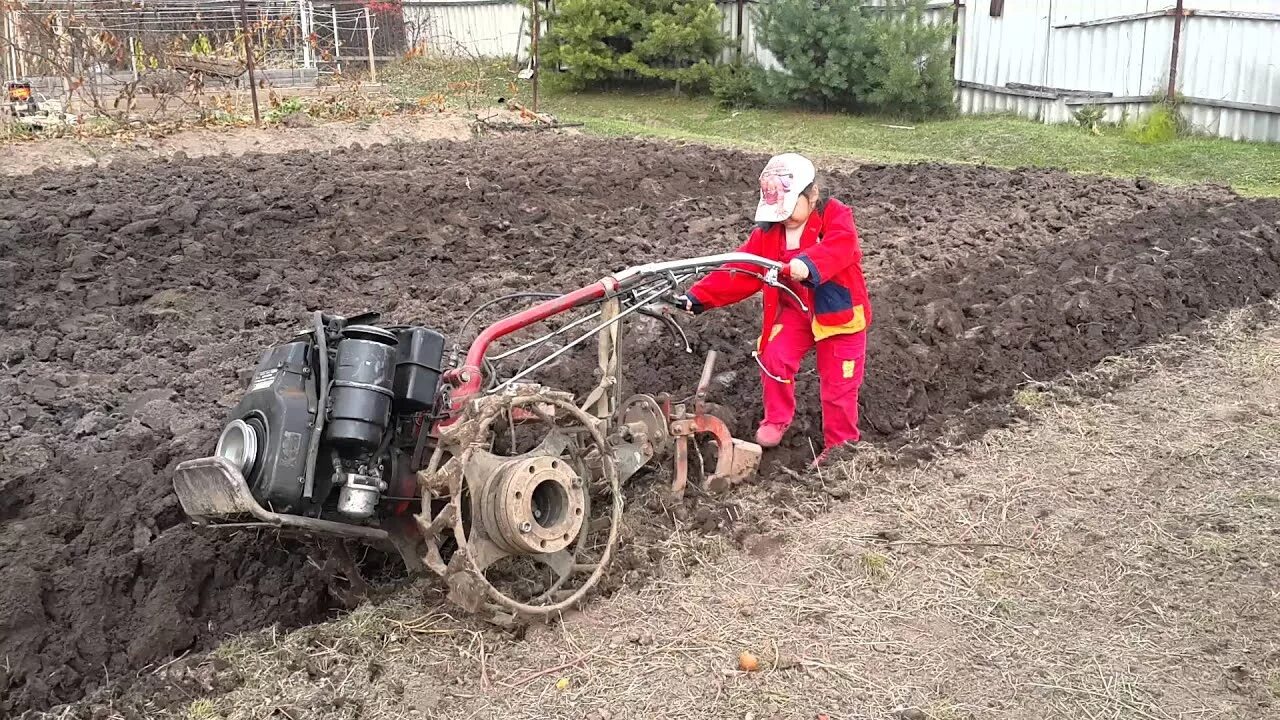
(797, 270)
(682, 302)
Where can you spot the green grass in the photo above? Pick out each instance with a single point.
(1250, 168)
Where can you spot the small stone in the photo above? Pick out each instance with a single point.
(45, 348)
(16, 431)
(181, 425)
(912, 713)
(141, 536)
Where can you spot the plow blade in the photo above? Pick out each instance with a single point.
(739, 463)
(213, 492)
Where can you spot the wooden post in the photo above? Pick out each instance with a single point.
(955, 35)
(248, 63)
(533, 53)
(368, 33)
(741, 4)
(337, 41)
(1178, 15)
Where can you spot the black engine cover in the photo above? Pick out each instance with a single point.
(281, 405)
(374, 386)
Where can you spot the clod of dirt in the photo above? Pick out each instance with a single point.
(125, 325)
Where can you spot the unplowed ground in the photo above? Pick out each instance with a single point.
(136, 292)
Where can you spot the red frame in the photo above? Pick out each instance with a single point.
(468, 380)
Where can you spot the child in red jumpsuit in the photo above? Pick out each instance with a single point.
(818, 241)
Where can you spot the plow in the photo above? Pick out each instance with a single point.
(508, 491)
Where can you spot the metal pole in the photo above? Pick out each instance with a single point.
(60, 32)
(368, 32)
(133, 57)
(533, 53)
(11, 62)
(312, 35)
(22, 56)
(1178, 14)
(11, 22)
(305, 31)
(337, 42)
(248, 63)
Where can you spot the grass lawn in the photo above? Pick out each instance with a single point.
(1251, 168)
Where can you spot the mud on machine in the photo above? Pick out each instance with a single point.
(507, 490)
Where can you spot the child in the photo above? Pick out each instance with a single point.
(818, 241)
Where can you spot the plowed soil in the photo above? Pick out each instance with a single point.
(134, 294)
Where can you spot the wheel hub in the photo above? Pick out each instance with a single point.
(535, 505)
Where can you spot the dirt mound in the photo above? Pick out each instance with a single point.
(134, 294)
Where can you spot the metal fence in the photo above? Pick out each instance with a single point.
(478, 28)
(1046, 59)
(117, 56)
(1041, 59)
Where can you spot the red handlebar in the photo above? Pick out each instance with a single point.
(469, 379)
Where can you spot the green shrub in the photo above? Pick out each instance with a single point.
(285, 108)
(1090, 118)
(910, 63)
(739, 86)
(1164, 123)
(604, 42)
(840, 54)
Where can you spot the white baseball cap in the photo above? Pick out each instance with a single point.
(783, 179)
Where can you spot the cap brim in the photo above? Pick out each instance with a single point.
(778, 212)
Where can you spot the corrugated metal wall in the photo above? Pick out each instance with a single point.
(745, 37)
(1233, 59)
(1044, 59)
(1041, 59)
(499, 28)
(472, 28)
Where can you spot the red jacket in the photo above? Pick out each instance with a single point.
(835, 291)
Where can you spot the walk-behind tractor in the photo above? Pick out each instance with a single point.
(508, 490)
(24, 105)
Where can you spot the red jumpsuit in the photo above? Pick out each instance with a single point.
(836, 323)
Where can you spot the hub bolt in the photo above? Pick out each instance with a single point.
(525, 527)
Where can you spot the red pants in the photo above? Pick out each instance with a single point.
(840, 360)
